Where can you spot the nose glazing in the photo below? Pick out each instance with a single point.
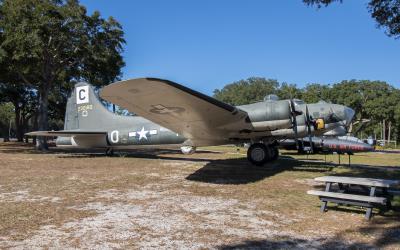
(348, 115)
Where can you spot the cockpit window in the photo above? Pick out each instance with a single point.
(298, 102)
(271, 97)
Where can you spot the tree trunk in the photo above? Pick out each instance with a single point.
(19, 126)
(43, 124)
(35, 126)
(25, 122)
(7, 135)
(384, 132)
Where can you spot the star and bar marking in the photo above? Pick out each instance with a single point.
(142, 133)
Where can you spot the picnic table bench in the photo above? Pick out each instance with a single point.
(345, 195)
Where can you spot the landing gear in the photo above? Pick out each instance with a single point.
(188, 150)
(109, 151)
(259, 153)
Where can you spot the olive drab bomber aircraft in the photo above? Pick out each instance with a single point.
(174, 115)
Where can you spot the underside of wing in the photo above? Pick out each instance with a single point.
(194, 115)
(65, 133)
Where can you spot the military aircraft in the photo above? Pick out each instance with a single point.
(172, 114)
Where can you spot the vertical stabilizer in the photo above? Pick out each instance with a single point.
(84, 110)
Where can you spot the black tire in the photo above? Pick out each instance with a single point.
(258, 154)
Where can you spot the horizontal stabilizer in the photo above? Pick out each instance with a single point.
(65, 133)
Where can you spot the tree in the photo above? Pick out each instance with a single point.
(24, 102)
(396, 124)
(246, 91)
(6, 117)
(48, 42)
(289, 91)
(316, 92)
(385, 12)
(350, 93)
(370, 99)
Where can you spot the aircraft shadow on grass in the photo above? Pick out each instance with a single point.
(239, 171)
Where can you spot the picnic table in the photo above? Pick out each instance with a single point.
(371, 192)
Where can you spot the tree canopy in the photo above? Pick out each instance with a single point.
(251, 90)
(47, 45)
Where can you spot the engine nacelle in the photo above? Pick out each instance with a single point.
(188, 150)
(269, 115)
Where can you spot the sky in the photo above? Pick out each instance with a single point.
(207, 44)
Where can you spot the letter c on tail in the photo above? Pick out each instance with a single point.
(82, 94)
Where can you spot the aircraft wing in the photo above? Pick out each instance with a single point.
(66, 133)
(196, 116)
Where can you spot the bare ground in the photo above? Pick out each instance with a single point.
(162, 199)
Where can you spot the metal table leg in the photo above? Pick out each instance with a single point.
(324, 203)
(388, 198)
(368, 214)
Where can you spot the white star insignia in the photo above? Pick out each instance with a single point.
(142, 134)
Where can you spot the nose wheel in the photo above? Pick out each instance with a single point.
(259, 153)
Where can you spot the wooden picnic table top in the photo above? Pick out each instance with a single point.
(359, 181)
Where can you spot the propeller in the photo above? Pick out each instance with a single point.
(309, 122)
(294, 113)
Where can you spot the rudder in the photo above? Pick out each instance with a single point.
(84, 109)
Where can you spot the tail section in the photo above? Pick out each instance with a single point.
(85, 111)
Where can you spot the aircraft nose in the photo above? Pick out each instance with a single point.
(348, 115)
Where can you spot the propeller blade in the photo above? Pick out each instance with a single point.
(294, 113)
(308, 123)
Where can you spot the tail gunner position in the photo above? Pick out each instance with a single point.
(172, 114)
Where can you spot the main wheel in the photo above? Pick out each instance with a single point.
(258, 154)
(188, 150)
